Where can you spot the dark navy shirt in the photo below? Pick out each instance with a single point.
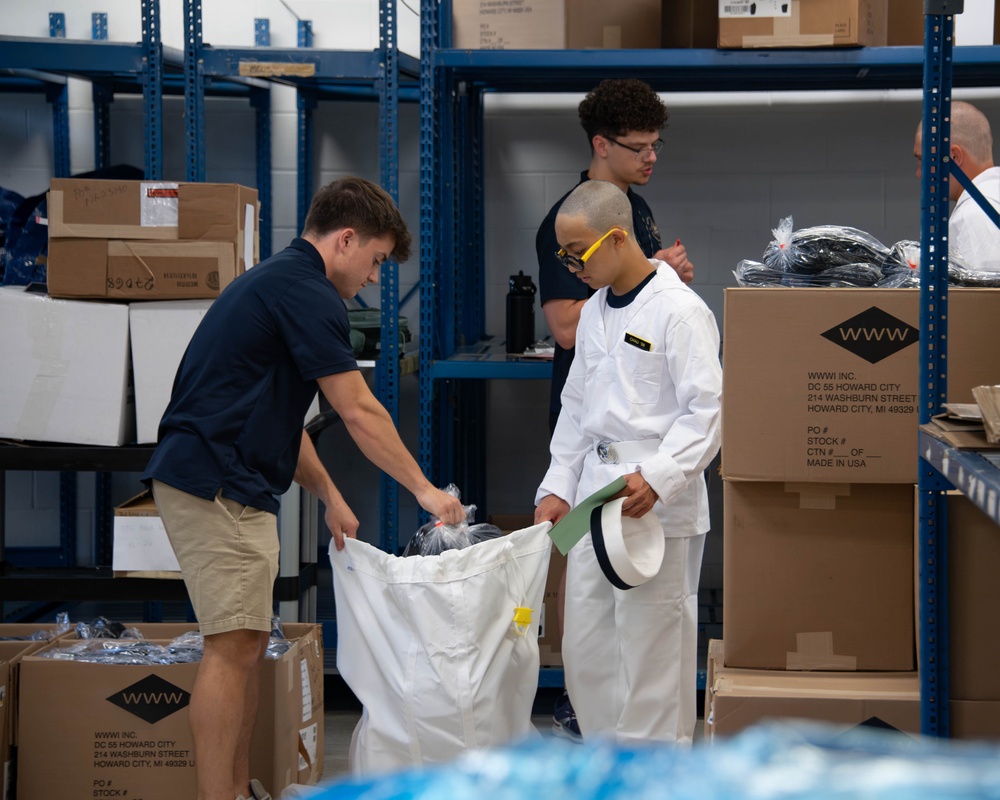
(235, 416)
(555, 282)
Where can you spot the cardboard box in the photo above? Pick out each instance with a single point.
(125, 727)
(739, 698)
(906, 23)
(550, 633)
(973, 597)
(818, 577)
(66, 370)
(11, 653)
(974, 719)
(141, 548)
(161, 332)
(555, 24)
(155, 210)
(84, 208)
(134, 270)
(802, 23)
(221, 212)
(689, 23)
(823, 384)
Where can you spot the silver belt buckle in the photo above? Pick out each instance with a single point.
(606, 452)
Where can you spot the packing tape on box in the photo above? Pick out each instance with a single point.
(819, 496)
(815, 652)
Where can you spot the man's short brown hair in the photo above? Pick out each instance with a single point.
(362, 205)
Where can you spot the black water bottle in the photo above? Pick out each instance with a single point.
(520, 313)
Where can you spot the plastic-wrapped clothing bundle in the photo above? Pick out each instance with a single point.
(62, 625)
(765, 762)
(902, 269)
(754, 273)
(435, 537)
(815, 249)
(133, 648)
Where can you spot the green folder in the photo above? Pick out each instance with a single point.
(576, 524)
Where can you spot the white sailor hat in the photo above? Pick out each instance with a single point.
(629, 550)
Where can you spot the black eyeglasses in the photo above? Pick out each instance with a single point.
(641, 153)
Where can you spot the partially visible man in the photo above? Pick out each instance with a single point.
(231, 441)
(971, 234)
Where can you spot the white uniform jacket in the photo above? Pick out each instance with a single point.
(657, 376)
(972, 234)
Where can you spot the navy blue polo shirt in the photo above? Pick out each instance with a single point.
(239, 400)
(555, 282)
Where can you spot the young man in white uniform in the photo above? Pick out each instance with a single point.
(972, 235)
(647, 379)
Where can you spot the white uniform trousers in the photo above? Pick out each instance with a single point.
(630, 656)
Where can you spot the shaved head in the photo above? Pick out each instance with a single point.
(601, 204)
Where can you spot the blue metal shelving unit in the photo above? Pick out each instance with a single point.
(941, 468)
(452, 84)
(383, 75)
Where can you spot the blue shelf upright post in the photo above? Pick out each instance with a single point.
(388, 366)
(58, 96)
(429, 237)
(152, 93)
(933, 543)
(194, 92)
(102, 96)
(260, 100)
(306, 100)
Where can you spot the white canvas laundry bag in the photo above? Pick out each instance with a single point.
(437, 648)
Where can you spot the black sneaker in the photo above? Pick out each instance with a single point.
(564, 722)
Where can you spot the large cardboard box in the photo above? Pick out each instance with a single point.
(823, 384)
(973, 599)
(124, 728)
(112, 209)
(141, 548)
(689, 23)
(11, 653)
(906, 23)
(158, 210)
(161, 332)
(802, 23)
(818, 577)
(555, 24)
(974, 719)
(739, 698)
(135, 270)
(66, 370)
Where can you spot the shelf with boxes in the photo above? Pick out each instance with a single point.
(452, 174)
(452, 171)
(384, 75)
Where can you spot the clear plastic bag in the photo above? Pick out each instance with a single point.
(754, 273)
(812, 250)
(902, 269)
(435, 537)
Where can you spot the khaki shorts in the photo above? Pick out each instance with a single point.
(228, 554)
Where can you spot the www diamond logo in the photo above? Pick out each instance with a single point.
(151, 699)
(873, 335)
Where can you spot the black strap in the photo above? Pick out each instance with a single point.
(597, 535)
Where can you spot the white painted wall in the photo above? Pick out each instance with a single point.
(732, 166)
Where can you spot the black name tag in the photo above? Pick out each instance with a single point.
(635, 341)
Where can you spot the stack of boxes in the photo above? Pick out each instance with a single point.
(819, 460)
(71, 358)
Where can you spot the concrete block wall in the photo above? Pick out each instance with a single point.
(733, 165)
